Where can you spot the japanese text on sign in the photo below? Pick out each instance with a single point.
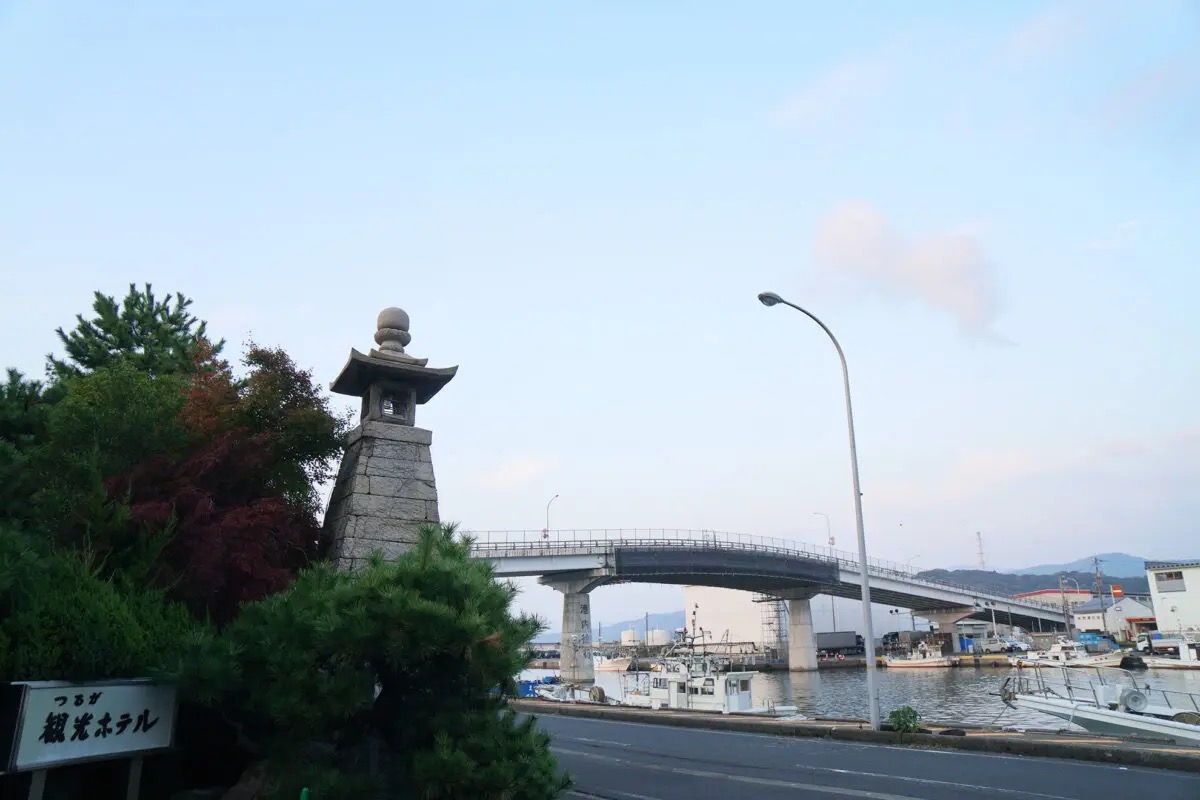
(72, 722)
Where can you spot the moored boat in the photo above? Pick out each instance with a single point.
(1106, 700)
(921, 658)
(603, 663)
(1066, 652)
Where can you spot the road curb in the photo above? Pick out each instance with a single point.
(999, 744)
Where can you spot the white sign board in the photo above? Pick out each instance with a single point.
(63, 722)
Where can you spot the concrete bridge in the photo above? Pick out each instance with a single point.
(577, 561)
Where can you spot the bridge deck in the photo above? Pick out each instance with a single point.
(740, 561)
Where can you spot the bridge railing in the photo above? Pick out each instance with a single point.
(676, 537)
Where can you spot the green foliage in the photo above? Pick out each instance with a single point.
(284, 404)
(61, 620)
(24, 416)
(905, 719)
(433, 631)
(108, 421)
(157, 337)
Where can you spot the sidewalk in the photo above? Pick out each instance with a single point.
(1045, 744)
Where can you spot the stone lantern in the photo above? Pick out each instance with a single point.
(385, 489)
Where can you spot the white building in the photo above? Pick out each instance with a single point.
(1111, 615)
(1175, 592)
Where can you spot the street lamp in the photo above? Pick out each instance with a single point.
(546, 530)
(912, 614)
(912, 559)
(828, 528)
(771, 299)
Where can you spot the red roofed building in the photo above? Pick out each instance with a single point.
(1054, 597)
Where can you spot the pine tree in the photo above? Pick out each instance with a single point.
(157, 337)
(397, 673)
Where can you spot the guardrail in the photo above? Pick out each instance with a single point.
(495, 541)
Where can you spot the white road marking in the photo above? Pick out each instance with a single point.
(594, 741)
(819, 742)
(864, 794)
(952, 784)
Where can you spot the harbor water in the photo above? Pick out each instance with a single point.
(961, 696)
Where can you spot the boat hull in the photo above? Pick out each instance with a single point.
(921, 663)
(1117, 723)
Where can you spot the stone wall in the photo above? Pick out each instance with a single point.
(385, 491)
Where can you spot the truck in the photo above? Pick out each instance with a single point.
(1152, 642)
(845, 643)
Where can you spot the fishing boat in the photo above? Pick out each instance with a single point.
(1106, 700)
(606, 663)
(697, 682)
(573, 693)
(1066, 652)
(921, 658)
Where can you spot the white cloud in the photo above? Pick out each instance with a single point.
(834, 94)
(515, 473)
(947, 271)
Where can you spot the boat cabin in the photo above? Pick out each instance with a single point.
(725, 692)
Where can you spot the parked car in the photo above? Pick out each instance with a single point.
(991, 646)
(1015, 645)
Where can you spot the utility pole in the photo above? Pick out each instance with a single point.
(1062, 588)
(1100, 594)
(979, 540)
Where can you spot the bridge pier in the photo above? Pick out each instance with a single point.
(947, 621)
(575, 663)
(802, 639)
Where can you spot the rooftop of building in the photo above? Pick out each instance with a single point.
(1151, 565)
(1040, 592)
(1096, 604)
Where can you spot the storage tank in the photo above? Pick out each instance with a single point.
(629, 637)
(658, 638)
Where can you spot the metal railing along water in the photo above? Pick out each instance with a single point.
(501, 542)
(1099, 686)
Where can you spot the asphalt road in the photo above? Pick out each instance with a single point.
(631, 761)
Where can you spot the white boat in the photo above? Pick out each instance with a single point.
(921, 658)
(700, 684)
(1066, 652)
(687, 680)
(573, 693)
(603, 663)
(1106, 700)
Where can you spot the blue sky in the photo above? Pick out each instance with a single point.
(994, 206)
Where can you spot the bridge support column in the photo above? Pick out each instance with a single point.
(947, 621)
(575, 663)
(802, 640)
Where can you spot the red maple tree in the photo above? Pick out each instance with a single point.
(240, 505)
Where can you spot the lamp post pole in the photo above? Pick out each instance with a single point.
(771, 299)
(832, 599)
(551, 500)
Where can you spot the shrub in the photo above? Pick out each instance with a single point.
(388, 675)
(905, 719)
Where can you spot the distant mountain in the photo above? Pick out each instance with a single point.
(663, 620)
(1010, 584)
(1116, 565)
